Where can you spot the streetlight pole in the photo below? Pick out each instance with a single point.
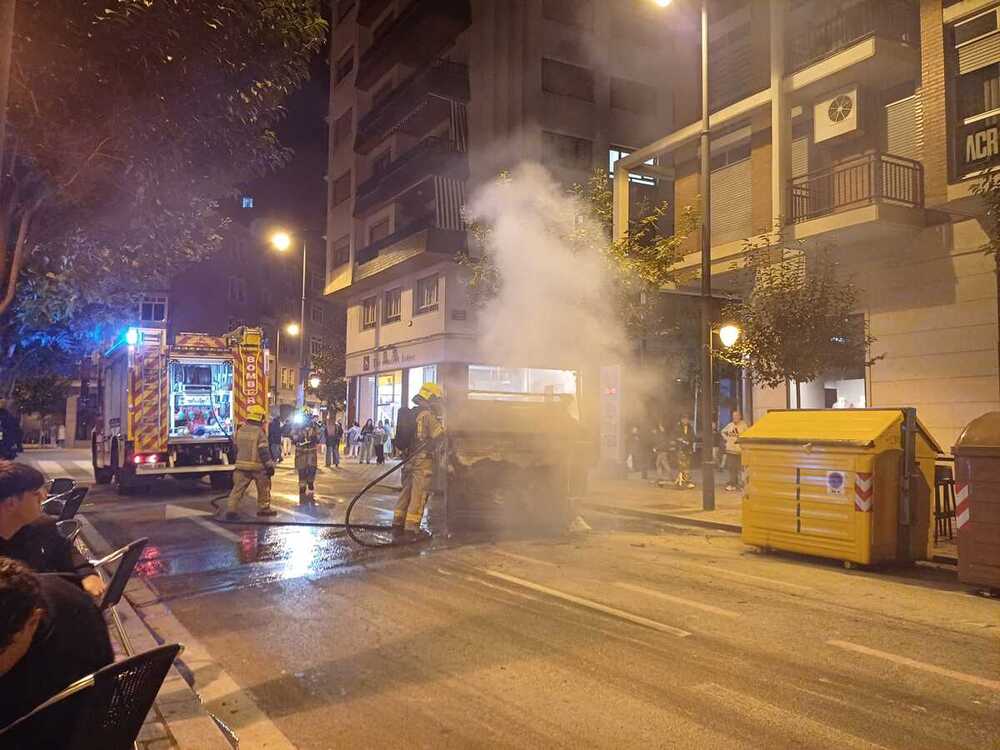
(707, 381)
(277, 362)
(301, 392)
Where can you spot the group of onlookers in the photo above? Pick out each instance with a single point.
(369, 443)
(51, 630)
(670, 453)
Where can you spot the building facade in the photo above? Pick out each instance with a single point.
(860, 126)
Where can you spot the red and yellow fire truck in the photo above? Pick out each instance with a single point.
(173, 409)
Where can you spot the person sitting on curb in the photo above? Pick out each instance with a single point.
(51, 635)
(28, 535)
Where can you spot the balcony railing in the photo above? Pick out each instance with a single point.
(444, 79)
(417, 36)
(433, 239)
(890, 19)
(432, 156)
(864, 180)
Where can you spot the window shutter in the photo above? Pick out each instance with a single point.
(901, 128)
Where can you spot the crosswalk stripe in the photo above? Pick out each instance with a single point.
(51, 468)
(87, 466)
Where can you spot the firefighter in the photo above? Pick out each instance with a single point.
(417, 482)
(253, 464)
(306, 439)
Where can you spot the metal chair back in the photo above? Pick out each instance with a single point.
(69, 529)
(108, 707)
(73, 502)
(61, 485)
(129, 555)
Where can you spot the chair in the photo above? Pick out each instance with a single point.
(73, 502)
(944, 502)
(60, 486)
(109, 706)
(129, 556)
(69, 529)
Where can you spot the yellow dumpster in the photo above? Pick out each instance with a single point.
(850, 484)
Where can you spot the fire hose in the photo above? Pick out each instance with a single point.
(349, 528)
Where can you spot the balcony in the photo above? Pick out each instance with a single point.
(416, 105)
(424, 30)
(862, 198)
(432, 156)
(811, 42)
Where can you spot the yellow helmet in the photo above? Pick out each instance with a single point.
(256, 412)
(430, 390)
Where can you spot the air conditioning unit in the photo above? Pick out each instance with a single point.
(837, 114)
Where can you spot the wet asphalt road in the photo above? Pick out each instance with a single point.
(633, 635)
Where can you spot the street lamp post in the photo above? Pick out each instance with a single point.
(705, 187)
(281, 241)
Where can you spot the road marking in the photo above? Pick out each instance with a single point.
(590, 604)
(933, 669)
(523, 558)
(507, 591)
(678, 600)
(51, 469)
(87, 466)
(723, 571)
(172, 512)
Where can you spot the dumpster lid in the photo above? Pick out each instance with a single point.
(981, 435)
(849, 428)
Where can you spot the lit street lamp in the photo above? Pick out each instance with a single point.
(707, 384)
(314, 382)
(282, 241)
(292, 329)
(729, 334)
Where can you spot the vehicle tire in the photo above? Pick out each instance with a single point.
(102, 474)
(221, 480)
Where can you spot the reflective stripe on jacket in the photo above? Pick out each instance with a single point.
(252, 451)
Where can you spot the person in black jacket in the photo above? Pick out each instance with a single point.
(26, 534)
(51, 635)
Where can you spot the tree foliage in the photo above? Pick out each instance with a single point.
(797, 317)
(988, 190)
(330, 365)
(43, 394)
(128, 120)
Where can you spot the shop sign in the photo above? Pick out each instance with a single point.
(383, 358)
(977, 147)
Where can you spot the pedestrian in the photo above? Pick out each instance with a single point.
(10, 435)
(661, 444)
(417, 482)
(51, 635)
(306, 439)
(61, 436)
(366, 438)
(378, 440)
(254, 463)
(334, 435)
(389, 430)
(734, 463)
(28, 535)
(632, 449)
(274, 438)
(353, 435)
(684, 448)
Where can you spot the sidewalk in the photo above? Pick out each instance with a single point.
(642, 499)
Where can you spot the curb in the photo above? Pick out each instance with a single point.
(179, 706)
(666, 517)
(717, 525)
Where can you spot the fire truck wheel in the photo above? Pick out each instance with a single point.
(221, 480)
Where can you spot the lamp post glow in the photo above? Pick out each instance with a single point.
(729, 334)
(314, 382)
(662, 3)
(292, 329)
(282, 241)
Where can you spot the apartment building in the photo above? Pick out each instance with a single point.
(430, 98)
(862, 126)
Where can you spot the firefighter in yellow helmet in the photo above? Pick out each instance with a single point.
(253, 464)
(418, 474)
(305, 436)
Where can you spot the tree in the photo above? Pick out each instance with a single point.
(127, 121)
(330, 366)
(797, 317)
(44, 394)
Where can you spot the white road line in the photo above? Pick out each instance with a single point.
(87, 466)
(52, 469)
(171, 512)
(678, 600)
(523, 558)
(904, 661)
(590, 604)
(507, 591)
(725, 572)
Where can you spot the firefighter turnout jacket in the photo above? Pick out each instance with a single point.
(306, 440)
(429, 428)
(252, 450)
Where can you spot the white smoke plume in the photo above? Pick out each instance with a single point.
(555, 306)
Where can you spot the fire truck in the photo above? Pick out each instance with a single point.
(172, 409)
